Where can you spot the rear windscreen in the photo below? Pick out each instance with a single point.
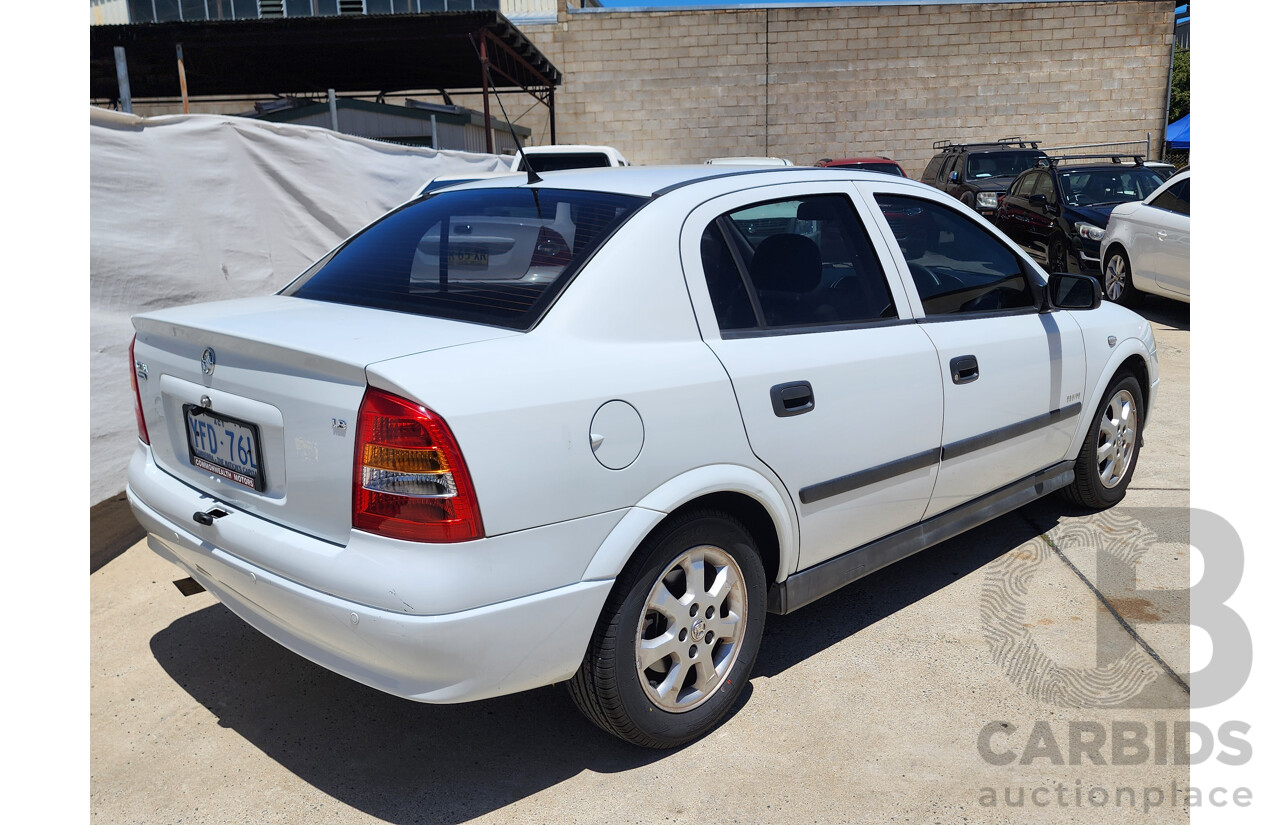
(492, 256)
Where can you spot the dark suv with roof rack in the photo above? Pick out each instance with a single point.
(979, 174)
(1059, 210)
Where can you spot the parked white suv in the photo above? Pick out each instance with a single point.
(594, 429)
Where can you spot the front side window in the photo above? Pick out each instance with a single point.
(793, 263)
(492, 256)
(1044, 186)
(957, 265)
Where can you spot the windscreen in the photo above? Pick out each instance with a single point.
(492, 256)
(1098, 187)
(1001, 164)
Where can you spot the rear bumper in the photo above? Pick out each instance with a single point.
(499, 648)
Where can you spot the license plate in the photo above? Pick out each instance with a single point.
(476, 256)
(226, 447)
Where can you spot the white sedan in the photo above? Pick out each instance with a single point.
(1147, 245)
(593, 428)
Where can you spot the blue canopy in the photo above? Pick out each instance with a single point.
(1178, 133)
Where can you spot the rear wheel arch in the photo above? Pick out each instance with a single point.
(760, 504)
(751, 513)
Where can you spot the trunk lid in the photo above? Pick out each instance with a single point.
(266, 391)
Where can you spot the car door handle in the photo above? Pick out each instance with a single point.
(792, 398)
(964, 368)
(1162, 234)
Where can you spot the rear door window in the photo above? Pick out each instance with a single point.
(800, 262)
(492, 256)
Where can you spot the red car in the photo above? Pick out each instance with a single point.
(873, 164)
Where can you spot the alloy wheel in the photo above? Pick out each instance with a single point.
(690, 631)
(1117, 438)
(1116, 278)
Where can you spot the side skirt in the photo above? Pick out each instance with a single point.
(813, 583)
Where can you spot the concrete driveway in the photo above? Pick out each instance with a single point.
(969, 683)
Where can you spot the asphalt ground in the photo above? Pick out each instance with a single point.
(1033, 669)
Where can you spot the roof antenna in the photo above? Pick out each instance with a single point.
(488, 78)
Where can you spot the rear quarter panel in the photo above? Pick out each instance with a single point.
(522, 408)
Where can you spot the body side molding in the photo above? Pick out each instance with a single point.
(809, 585)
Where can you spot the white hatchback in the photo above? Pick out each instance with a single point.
(1147, 245)
(593, 429)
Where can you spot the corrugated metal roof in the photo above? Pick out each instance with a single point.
(354, 53)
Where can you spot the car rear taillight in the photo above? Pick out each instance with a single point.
(134, 369)
(410, 480)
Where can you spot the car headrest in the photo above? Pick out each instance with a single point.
(816, 210)
(787, 263)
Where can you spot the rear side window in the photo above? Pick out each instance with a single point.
(802, 262)
(492, 256)
(931, 171)
(957, 265)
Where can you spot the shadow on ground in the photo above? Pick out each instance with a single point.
(1166, 311)
(405, 762)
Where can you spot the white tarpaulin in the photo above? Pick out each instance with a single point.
(205, 207)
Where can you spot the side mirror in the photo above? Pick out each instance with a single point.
(1038, 200)
(1068, 291)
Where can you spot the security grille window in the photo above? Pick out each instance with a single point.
(794, 263)
(167, 10)
(310, 8)
(957, 265)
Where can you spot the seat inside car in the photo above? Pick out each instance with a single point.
(787, 271)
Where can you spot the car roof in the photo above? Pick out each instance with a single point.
(648, 181)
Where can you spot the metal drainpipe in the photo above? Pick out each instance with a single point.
(122, 80)
(333, 110)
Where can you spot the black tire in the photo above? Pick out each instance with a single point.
(1099, 484)
(607, 687)
(1057, 261)
(1117, 279)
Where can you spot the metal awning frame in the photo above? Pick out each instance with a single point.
(373, 56)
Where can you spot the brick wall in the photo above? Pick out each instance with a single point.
(832, 81)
